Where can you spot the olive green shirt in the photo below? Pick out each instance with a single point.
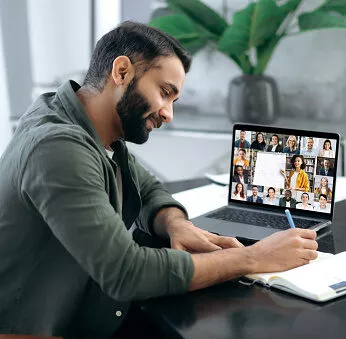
(68, 263)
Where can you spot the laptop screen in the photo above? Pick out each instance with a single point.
(284, 168)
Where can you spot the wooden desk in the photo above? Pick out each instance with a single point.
(232, 310)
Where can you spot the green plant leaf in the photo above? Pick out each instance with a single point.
(191, 36)
(201, 14)
(320, 20)
(254, 25)
(338, 6)
(264, 54)
(177, 25)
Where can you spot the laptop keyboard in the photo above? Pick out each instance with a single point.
(259, 219)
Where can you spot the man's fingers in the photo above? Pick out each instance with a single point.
(310, 255)
(310, 244)
(307, 234)
(229, 242)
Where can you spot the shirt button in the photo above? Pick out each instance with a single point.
(118, 313)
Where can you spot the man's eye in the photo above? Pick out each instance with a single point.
(165, 93)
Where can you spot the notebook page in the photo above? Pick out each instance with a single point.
(316, 278)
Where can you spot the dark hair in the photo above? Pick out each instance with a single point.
(257, 134)
(243, 130)
(235, 168)
(254, 186)
(322, 195)
(242, 149)
(306, 194)
(242, 194)
(271, 188)
(324, 144)
(275, 135)
(138, 42)
(293, 159)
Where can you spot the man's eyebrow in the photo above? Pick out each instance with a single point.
(173, 87)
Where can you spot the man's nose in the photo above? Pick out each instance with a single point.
(166, 113)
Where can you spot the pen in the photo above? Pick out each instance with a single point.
(289, 218)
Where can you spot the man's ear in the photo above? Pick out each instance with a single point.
(123, 70)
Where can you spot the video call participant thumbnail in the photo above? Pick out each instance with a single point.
(287, 200)
(255, 197)
(242, 143)
(297, 178)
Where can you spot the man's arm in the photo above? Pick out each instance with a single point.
(279, 252)
(172, 223)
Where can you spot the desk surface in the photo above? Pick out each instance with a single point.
(232, 310)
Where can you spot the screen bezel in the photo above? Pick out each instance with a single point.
(289, 131)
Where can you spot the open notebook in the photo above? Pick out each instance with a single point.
(321, 280)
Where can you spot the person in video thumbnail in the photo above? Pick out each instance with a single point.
(270, 199)
(287, 200)
(259, 143)
(322, 204)
(327, 150)
(304, 204)
(324, 188)
(309, 149)
(291, 145)
(298, 178)
(274, 146)
(242, 143)
(254, 197)
(241, 160)
(326, 170)
(239, 175)
(239, 193)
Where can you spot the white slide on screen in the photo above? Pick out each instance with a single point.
(267, 170)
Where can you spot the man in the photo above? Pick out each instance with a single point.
(254, 197)
(322, 204)
(326, 170)
(309, 149)
(239, 175)
(274, 146)
(287, 200)
(69, 267)
(242, 143)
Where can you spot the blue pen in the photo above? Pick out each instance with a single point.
(289, 218)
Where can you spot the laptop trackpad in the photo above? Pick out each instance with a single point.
(245, 231)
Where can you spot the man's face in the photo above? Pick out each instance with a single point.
(148, 101)
(242, 136)
(240, 170)
(323, 202)
(326, 163)
(288, 195)
(254, 191)
(275, 140)
(310, 143)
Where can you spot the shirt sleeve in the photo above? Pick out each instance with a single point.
(154, 197)
(63, 181)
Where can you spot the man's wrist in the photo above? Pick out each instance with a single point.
(165, 220)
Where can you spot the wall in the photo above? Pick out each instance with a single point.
(5, 129)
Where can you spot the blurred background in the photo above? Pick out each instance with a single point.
(45, 42)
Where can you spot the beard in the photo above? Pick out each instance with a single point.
(131, 108)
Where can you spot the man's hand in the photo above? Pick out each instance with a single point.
(186, 236)
(284, 250)
(172, 222)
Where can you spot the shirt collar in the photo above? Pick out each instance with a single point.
(75, 110)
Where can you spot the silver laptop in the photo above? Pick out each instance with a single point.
(273, 169)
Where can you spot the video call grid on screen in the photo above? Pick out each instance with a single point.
(264, 163)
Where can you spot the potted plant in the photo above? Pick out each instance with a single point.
(250, 41)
